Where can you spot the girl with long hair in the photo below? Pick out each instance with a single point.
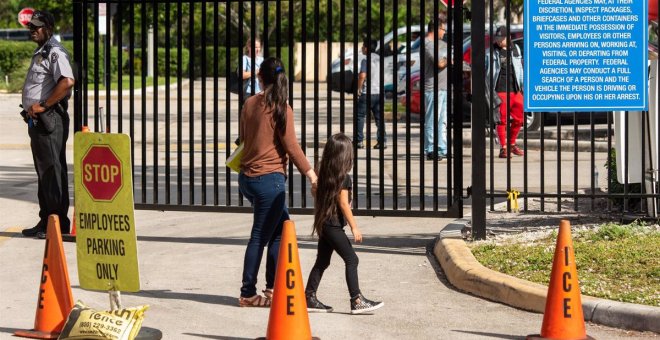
(269, 139)
(332, 211)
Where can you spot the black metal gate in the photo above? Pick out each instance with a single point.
(161, 72)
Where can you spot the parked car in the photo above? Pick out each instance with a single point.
(386, 53)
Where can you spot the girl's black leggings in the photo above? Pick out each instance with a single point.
(334, 239)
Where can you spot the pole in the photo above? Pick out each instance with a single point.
(478, 121)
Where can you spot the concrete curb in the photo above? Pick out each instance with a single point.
(467, 274)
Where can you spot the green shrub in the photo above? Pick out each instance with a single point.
(17, 77)
(13, 55)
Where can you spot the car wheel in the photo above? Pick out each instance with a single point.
(533, 120)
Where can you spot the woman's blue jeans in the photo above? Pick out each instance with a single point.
(268, 199)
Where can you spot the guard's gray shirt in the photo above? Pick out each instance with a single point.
(430, 64)
(50, 62)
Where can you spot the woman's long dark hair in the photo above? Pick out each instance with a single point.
(333, 168)
(276, 90)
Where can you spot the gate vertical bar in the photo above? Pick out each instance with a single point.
(168, 30)
(78, 43)
(191, 99)
(342, 50)
(154, 114)
(356, 188)
(131, 85)
(478, 126)
(328, 126)
(381, 104)
(367, 99)
(96, 67)
(422, 120)
(408, 98)
(107, 71)
(120, 62)
(395, 113)
(303, 100)
(317, 55)
(456, 159)
(291, 78)
(216, 91)
(85, 66)
(179, 103)
(202, 38)
(228, 69)
(143, 100)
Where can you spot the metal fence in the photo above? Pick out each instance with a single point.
(595, 162)
(161, 71)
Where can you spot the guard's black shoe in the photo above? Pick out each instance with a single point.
(41, 235)
(380, 146)
(359, 145)
(32, 232)
(316, 306)
(361, 304)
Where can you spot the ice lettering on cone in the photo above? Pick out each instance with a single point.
(563, 318)
(288, 312)
(55, 300)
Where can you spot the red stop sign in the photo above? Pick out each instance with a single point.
(101, 173)
(25, 15)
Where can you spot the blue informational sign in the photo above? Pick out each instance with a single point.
(586, 55)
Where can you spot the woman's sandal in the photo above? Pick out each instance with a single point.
(268, 293)
(255, 301)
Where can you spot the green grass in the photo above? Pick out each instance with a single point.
(137, 83)
(616, 262)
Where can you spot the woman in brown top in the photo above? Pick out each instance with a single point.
(268, 133)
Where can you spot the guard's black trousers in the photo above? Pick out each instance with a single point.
(49, 154)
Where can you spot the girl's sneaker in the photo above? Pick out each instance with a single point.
(361, 304)
(316, 306)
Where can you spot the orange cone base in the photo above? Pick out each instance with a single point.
(36, 334)
(539, 337)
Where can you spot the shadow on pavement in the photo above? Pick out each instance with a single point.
(218, 337)
(168, 294)
(492, 335)
(406, 244)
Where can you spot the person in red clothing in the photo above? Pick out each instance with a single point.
(507, 78)
(269, 138)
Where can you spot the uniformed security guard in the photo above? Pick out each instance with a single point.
(45, 94)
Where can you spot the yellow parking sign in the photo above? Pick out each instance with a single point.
(105, 223)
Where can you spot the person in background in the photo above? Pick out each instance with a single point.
(435, 68)
(332, 211)
(45, 98)
(268, 134)
(502, 74)
(251, 87)
(370, 73)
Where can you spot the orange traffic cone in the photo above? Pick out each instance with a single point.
(55, 300)
(563, 318)
(288, 312)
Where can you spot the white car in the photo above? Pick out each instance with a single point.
(334, 78)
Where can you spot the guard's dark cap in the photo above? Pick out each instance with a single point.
(42, 18)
